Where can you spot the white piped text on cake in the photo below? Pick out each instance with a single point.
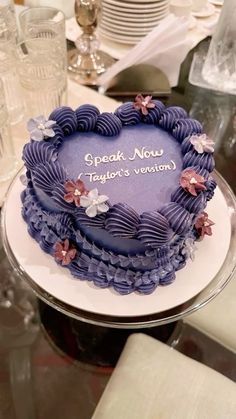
(139, 153)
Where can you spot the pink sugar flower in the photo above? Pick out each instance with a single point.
(192, 182)
(143, 103)
(63, 252)
(203, 225)
(74, 191)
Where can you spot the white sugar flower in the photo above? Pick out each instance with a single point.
(202, 143)
(40, 128)
(189, 248)
(94, 203)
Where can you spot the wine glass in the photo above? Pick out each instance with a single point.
(86, 62)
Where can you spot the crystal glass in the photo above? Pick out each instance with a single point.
(67, 6)
(11, 85)
(8, 70)
(43, 76)
(7, 157)
(8, 19)
(87, 62)
(43, 22)
(219, 68)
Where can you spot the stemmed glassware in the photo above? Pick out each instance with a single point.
(86, 62)
(219, 68)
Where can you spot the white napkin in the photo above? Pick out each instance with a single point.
(154, 381)
(165, 47)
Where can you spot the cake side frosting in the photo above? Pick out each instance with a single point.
(129, 247)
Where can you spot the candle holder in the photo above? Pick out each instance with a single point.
(86, 62)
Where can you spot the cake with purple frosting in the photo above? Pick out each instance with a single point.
(118, 198)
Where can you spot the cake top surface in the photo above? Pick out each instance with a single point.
(142, 166)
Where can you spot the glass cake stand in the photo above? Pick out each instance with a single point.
(32, 269)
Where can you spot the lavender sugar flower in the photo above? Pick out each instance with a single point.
(40, 128)
(201, 143)
(94, 203)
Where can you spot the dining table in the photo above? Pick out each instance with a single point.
(55, 365)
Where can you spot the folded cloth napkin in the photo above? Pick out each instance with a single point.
(154, 381)
(165, 47)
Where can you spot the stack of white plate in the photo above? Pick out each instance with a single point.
(128, 21)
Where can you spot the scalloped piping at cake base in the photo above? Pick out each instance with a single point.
(102, 273)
